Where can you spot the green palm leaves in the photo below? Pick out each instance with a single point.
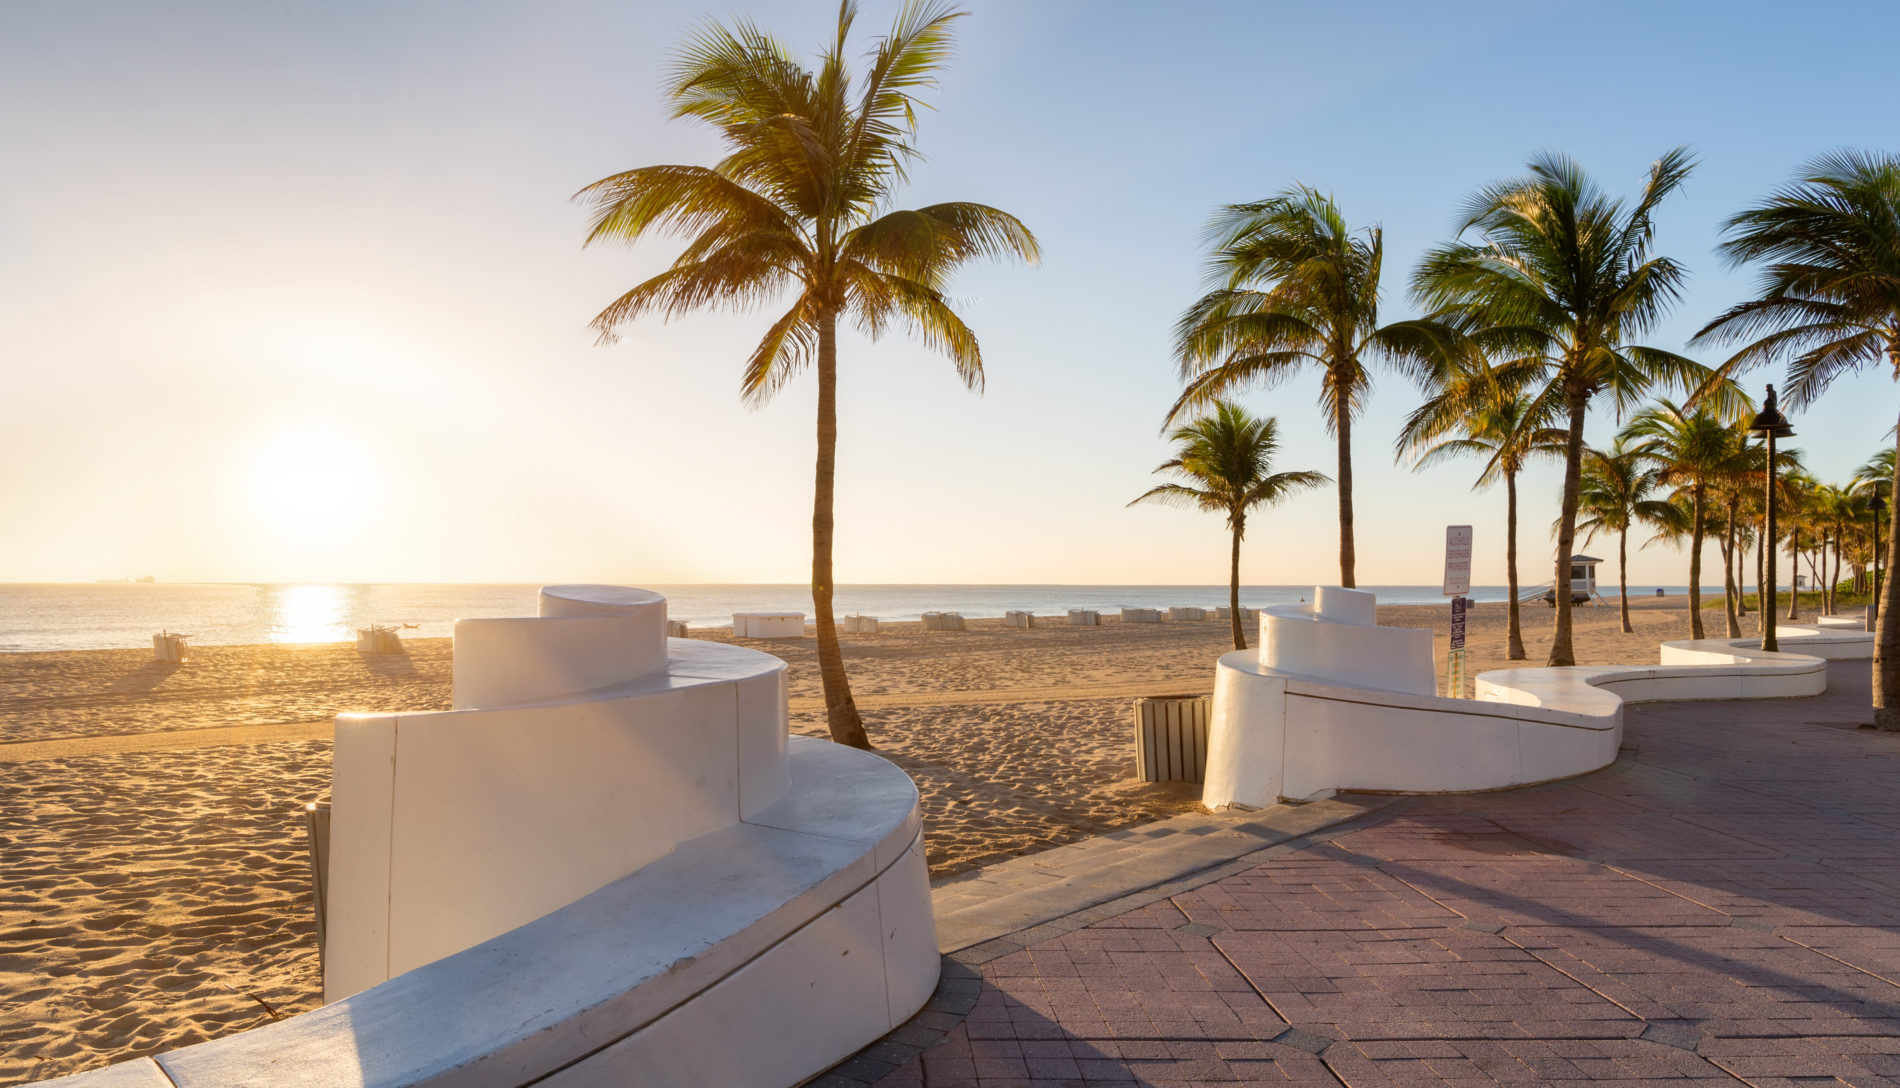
(1485, 411)
(1224, 461)
(1564, 277)
(1696, 453)
(795, 208)
(1828, 246)
(1829, 292)
(1294, 287)
(1615, 493)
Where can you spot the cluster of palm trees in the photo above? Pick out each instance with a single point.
(1534, 313)
(1535, 310)
(1688, 475)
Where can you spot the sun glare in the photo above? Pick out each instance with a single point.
(308, 476)
(309, 613)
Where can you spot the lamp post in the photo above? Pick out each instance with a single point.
(1769, 424)
(1879, 506)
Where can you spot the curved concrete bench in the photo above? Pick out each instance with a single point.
(1833, 637)
(1331, 701)
(643, 882)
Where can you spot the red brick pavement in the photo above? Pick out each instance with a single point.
(1723, 906)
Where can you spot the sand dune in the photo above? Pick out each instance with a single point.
(153, 887)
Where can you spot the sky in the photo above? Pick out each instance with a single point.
(297, 292)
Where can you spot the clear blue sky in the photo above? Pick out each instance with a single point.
(296, 293)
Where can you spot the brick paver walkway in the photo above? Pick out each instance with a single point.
(1723, 905)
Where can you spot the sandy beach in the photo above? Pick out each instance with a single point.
(153, 882)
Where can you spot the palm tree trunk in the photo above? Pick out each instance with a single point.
(1834, 580)
(1695, 564)
(1887, 622)
(1561, 650)
(841, 713)
(1342, 425)
(1815, 575)
(1764, 608)
(1623, 577)
(1794, 573)
(1233, 588)
(1731, 583)
(1515, 643)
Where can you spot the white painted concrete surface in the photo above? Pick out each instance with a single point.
(1331, 701)
(642, 883)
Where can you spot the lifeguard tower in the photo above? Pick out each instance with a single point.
(1583, 582)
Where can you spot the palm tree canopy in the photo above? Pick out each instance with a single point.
(1690, 448)
(1875, 473)
(1494, 416)
(1616, 493)
(1225, 458)
(1829, 294)
(798, 205)
(1291, 285)
(1563, 273)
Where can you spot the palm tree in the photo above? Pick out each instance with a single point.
(1794, 505)
(797, 207)
(1567, 274)
(1294, 287)
(1737, 501)
(1874, 479)
(1829, 304)
(1694, 452)
(1225, 457)
(1833, 510)
(1487, 406)
(1614, 490)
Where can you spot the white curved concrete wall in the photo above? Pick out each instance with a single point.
(1337, 638)
(1340, 722)
(642, 883)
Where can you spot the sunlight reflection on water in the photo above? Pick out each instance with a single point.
(309, 613)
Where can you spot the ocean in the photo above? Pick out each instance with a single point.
(126, 615)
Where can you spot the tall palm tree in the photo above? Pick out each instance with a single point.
(798, 208)
(1794, 507)
(1614, 495)
(1293, 287)
(1874, 479)
(1569, 273)
(1488, 408)
(1828, 305)
(1737, 500)
(1226, 457)
(1696, 453)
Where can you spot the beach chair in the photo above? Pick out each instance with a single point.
(169, 648)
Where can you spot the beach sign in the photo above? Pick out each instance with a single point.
(1457, 560)
(1457, 584)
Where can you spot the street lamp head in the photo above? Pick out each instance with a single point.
(1877, 504)
(1770, 421)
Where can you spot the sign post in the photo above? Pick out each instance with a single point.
(1457, 584)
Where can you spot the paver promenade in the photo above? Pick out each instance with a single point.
(1721, 906)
